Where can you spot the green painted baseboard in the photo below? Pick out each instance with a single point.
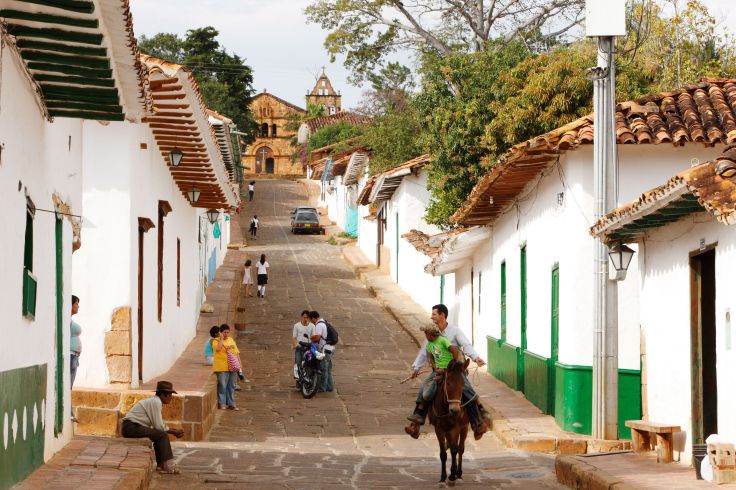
(562, 390)
(23, 401)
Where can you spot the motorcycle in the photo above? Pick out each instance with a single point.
(307, 375)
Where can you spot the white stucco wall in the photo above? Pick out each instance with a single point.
(41, 158)
(555, 233)
(367, 229)
(123, 182)
(665, 317)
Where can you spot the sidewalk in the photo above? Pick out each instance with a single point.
(625, 471)
(95, 463)
(518, 423)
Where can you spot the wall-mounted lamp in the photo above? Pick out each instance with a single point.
(175, 156)
(193, 194)
(726, 169)
(212, 216)
(560, 198)
(620, 256)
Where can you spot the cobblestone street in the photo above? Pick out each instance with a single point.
(352, 438)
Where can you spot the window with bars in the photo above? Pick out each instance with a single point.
(29, 280)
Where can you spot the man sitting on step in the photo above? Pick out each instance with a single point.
(458, 339)
(145, 419)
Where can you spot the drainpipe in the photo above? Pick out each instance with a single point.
(605, 360)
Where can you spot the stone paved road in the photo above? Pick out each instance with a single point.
(352, 438)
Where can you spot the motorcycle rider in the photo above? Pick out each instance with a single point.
(302, 332)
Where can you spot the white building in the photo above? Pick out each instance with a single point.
(531, 281)
(686, 258)
(150, 249)
(47, 92)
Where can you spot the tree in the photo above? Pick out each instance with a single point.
(225, 81)
(390, 90)
(335, 133)
(392, 139)
(366, 31)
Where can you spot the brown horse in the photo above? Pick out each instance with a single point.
(450, 420)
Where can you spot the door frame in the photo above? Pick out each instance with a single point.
(144, 224)
(554, 352)
(523, 303)
(696, 340)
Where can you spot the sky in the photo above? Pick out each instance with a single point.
(285, 52)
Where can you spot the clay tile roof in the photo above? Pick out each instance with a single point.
(81, 57)
(316, 123)
(320, 153)
(388, 181)
(703, 113)
(696, 189)
(181, 120)
(454, 247)
(421, 242)
(365, 193)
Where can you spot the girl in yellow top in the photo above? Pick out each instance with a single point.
(221, 345)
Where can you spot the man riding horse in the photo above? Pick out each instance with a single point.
(479, 418)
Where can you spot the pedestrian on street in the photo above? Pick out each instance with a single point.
(254, 227)
(75, 347)
(251, 189)
(248, 278)
(225, 347)
(320, 335)
(302, 332)
(209, 351)
(262, 267)
(145, 419)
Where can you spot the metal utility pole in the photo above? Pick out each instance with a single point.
(605, 361)
(605, 20)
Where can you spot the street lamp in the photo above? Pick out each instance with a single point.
(175, 156)
(212, 216)
(620, 256)
(193, 194)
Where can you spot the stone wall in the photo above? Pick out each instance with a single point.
(119, 349)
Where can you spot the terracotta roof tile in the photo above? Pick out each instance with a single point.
(316, 123)
(700, 183)
(703, 113)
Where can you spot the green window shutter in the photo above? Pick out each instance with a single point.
(503, 301)
(59, 418)
(29, 280)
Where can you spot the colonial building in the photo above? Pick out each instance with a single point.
(271, 152)
(323, 94)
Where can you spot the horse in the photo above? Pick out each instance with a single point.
(449, 419)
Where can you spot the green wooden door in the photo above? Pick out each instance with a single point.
(442, 289)
(503, 301)
(59, 420)
(397, 248)
(522, 348)
(555, 339)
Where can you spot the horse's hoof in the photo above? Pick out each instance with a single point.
(451, 483)
(441, 484)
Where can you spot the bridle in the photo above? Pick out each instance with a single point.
(447, 397)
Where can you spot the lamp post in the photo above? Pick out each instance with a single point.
(212, 215)
(193, 195)
(175, 156)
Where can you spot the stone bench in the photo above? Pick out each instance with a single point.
(641, 436)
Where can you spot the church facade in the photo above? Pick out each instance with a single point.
(272, 151)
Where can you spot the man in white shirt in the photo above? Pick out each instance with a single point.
(320, 336)
(251, 190)
(145, 419)
(479, 418)
(302, 332)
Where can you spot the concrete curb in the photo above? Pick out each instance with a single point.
(575, 473)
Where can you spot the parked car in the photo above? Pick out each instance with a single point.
(306, 222)
(303, 208)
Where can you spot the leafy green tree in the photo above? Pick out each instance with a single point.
(335, 133)
(225, 81)
(366, 31)
(392, 138)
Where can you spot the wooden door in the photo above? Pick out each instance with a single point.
(269, 165)
(520, 355)
(140, 303)
(703, 345)
(555, 339)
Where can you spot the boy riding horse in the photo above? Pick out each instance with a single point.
(454, 340)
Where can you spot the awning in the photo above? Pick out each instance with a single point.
(388, 181)
(81, 55)
(697, 189)
(455, 248)
(221, 125)
(356, 166)
(180, 121)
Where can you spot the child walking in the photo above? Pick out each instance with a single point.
(248, 279)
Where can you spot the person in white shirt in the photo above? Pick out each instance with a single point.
(254, 227)
(145, 419)
(320, 336)
(302, 332)
(479, 418)
(251, 189)
(262, 269)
